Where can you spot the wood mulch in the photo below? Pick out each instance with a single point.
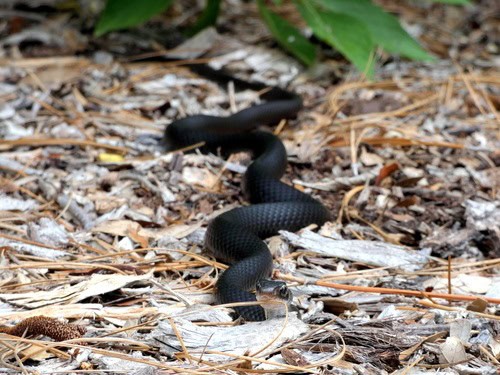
(102, 268)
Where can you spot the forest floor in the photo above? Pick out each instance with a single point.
(101, 232)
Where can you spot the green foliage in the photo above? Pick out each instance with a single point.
(288, 36)
(384, 28)
(341, 31)
(120, 14)
(354, 27)
(207, 18)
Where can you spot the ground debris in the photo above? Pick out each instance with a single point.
(99, 227)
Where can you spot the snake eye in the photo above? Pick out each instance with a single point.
(284, 292)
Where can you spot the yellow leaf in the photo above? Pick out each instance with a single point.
(110, 158)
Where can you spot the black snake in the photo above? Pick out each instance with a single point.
(236, 237)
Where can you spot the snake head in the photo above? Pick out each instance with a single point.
(272, 290)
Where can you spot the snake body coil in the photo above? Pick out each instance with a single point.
(236, 237)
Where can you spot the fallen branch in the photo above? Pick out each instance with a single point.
(36, 142)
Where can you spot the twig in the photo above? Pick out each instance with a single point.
(403, 292)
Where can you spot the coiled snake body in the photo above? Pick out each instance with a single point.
(236, 237)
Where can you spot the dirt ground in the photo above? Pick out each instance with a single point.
(101, 231)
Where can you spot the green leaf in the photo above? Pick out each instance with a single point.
(120, 14)
(207, 18)
(345, 33)
(383, 27)
(288, 36)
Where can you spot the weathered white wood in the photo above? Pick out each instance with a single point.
(374, 253)
(244, 339)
